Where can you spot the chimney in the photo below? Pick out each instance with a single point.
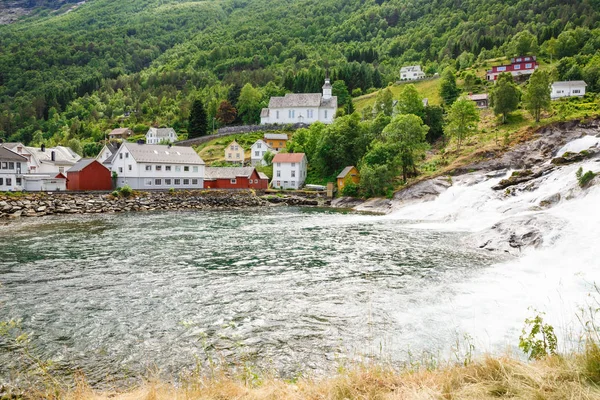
(43, 148)
(53, 156)
(141, 141)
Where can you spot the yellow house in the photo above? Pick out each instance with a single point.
(234, 153)
(277, 141)
(347, 173)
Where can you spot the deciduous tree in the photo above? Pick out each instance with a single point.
(537, 95)
(462, 120)
(406, 133)
(410, 102)
(505, 96)
(448, 89)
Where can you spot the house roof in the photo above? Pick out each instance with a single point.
(156, 153)
(410, 68)
(62, 155)
(262, 175)
(12, 145)
(9, 155)
(227, 172)
(81, 164)
(262, 142)
(113, 148)
(288, 157)
(264, 113)
(302, 100)
(119, 131)
(276, 136)
(345, 172)
(481, 96)
(569, 83)
(162, 132)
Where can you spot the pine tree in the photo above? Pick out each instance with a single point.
(197, 125)
(448, 89)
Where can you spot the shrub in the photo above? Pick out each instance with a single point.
(172, 191)
(584, 179)
(115, 193)
(540, 341)
(350, 189)
(126, 191)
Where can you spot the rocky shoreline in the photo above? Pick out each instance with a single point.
(41, 204)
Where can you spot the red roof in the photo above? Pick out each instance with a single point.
(288, 157)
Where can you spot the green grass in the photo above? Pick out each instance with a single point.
(427, 89)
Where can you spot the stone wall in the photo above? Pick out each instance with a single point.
(231, 130)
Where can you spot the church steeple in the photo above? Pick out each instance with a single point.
(327, 89)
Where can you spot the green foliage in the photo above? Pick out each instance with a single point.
(197, 125)
(448, 89)
(406, 134)
(522, 44)
(249, 104)
(410, 102)
(375, 180)
(268, 157)
(505, 96)
(537, 339)
(584, 179)
(125, 191)
(470, 80)
(434, 119)
(350, 188)
(226, 113)
(384, 102)
(462, 120)
(537, 95)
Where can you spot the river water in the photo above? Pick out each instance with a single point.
(290, 289)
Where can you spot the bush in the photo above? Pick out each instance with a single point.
(115, 193)
(584, 179)
(172, 190)
(350, 189)
(126, 191)
(540, 341)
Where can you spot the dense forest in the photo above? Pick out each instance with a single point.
(74, 75)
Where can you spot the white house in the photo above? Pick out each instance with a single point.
(11, 168)
(568, 89)
(301, 108)
(44, 182)
(411, 73)
(151, 166)
(107, 151)
(258, 151)
(158, 135)
(38, 171)
(50, 160)
(289, 170)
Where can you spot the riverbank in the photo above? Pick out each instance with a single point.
(41, 204)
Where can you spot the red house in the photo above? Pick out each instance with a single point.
(234, 178)
(518, 66)
(89, 174)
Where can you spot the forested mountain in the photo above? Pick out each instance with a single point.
(77, 73)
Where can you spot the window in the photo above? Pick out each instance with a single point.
(501, 69)
(278, 184)
(129, 167)
(148, 182)
(280, 144)
(121, 156)
(293, 164)
(186, 169)
(126, 155)
(528, 66)
(158, 182)
(195, 169)
(237, 155)
(293, 174)
(279, 174)
(293, 183)
(291, 113)
(177, 168)
(527, 58)
(519, 59)
(167, 168)
(257, 153)
(186, 182)
(159, 167)
(167, 182)
(177, 182)
(19, 183)
(4, 165)
(576, 91)
(194, 181)
(11, 165)
(120, 169)
(229, 155)
(1, 181)
(148, 167)
(279, 164)
(518, 66)
(233, 181)
(259, 145)
(8, 181)
(309, 113)
(276, 114)
(325, 114)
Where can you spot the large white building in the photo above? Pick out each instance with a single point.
(158, 135)
(11, 170)
(45, 160)
(568, 89)
(36, 169)
(148, 166)
(303, 108)
(411, 73)
(289, 170)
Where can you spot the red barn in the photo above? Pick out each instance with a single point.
(89, 174)
(518, 66)
(234, 178)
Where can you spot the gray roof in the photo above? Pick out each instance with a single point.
(345, 172)
(264, 113)
(11, 145)
(62, 155)
(9, 155)
(481, 96)
(276, 136)
(113, 148)
(227, 172)
(262, 175)
(569, 83)
(410, 68)
(302, 100)
(157, 153)
(81, 164)
(162, 132)
(119, 131)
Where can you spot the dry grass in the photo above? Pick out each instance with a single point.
(491, 378)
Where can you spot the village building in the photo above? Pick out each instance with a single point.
(234, 178)
(120, 133)
(303, 108)
(151, 166)
(567, 89)
(161, 136)
(45, 182)
(258, 151)
(50, 161)
(519, 66)
(109, 149)
(411, 73)
(481, 100)
(89, 174)
(350, 173)
(234, 153)
(11, 170)
(277, 141)
(289, 170)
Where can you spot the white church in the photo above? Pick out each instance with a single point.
(303, 108)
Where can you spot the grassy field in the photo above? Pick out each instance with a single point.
(214, 151)
(427, 89)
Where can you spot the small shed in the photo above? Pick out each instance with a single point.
(120, 133)
(481, 100)
(89, 174)
(348, 172)
(234, 178)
